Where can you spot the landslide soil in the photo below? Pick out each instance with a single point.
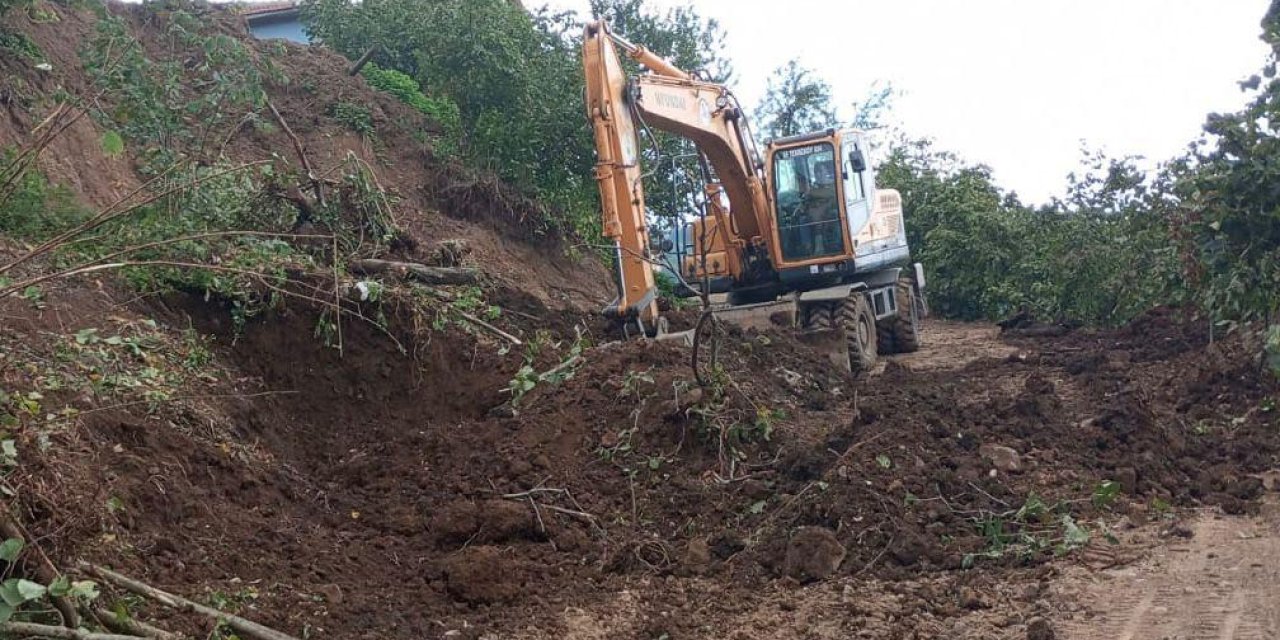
(378, 493)
(374, 494)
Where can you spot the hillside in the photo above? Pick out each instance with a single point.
(253, 423)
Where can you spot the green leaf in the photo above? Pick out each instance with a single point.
(884, 461)
(112, 144)
(1106, 493)
(60, 587)
(756, 507)
(10, 549)
(9, 451)
(16, 591)
(6, 611)
(87, 336)
(84, 590)
(1073, 535)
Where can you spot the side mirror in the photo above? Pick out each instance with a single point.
(857, 161)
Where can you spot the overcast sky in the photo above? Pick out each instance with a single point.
(1014, 84)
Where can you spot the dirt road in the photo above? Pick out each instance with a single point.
(1221, 583)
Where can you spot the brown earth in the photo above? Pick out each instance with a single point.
(370, 492)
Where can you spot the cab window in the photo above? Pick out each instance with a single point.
(808, 206)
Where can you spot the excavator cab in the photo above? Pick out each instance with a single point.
(827, 212)
(808, 203)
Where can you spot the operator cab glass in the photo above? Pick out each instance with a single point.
(808, 205)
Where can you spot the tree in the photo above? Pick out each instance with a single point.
(796, 101)
(870, 112)
(1229, 214)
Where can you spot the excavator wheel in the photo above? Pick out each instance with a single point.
(905, 327)
(859, 324)
(818, 316)
(884, 337)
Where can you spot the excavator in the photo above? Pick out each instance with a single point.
(800, 236)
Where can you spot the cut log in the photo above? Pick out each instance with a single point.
(415, 271)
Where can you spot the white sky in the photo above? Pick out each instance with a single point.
(1014, 84)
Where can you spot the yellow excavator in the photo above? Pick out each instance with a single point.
(801, 236)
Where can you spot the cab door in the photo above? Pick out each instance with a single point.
(857, 185)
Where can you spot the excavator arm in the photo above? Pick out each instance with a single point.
(672, 100)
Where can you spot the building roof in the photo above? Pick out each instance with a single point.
(261, 9)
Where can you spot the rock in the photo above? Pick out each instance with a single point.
(756, 490)
(697, 556)
(972, 600)
(1001, 457)
(609, 439)
(813, 553)
(482, 575)
(1040, 629)
(504, 410)
(1128, 479)
(332, 593)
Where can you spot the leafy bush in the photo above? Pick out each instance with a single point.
(1101, 256)
(354, 116)
(441, 110)
(37, 209)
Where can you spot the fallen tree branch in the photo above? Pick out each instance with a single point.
(20, 629)
(364, 59)
(492, 329)
(415, 271)
(302, 154)
(112, 212)
(241, 625)
(133, 627)
(432, 276)
(44, 570)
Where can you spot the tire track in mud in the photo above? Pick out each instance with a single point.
(1222, 584)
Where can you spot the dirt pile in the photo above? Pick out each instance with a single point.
(429, 479)
(404, 493)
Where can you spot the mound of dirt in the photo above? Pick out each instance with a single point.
(425, 479)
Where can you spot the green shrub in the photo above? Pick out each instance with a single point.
(354, 116)
(37, 209)
(440, 110)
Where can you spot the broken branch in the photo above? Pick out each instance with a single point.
(241, 625)
(415, 271)
(44, 570)
(132, 627)
(364, 59)
(302, 154)
(20, 629)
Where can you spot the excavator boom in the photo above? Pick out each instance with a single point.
(672, 100)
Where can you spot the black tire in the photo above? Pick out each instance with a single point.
(859, 324)
(884, 337)
(905, 327)
(818, 316)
